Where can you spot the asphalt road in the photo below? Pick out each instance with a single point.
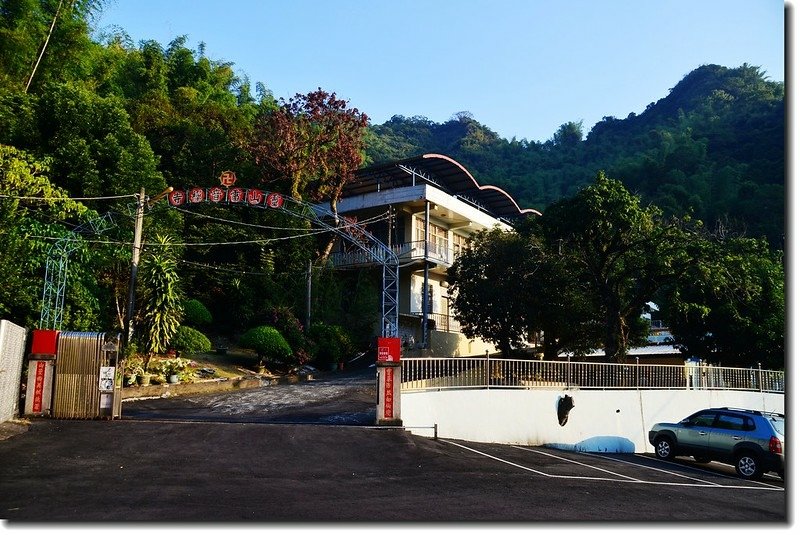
(265, 458)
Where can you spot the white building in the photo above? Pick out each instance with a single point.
(424, 209)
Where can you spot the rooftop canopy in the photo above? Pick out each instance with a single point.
(442, 172)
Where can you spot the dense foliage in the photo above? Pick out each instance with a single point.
(582, 275)
(713, 149)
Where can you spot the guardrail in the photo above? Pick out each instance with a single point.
(437, 252)
(481, 372)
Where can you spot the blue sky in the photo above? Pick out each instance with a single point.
(521, 67)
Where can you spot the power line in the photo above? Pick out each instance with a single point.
(186, 244)
(106, 198)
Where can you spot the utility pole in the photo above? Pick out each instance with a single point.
(308, 298)
(425, 297)
(137, 248)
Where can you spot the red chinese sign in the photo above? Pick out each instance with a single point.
(38, 385)
(235, 195)
(197, 195)
(252, 197)
(274, 200)
(255, 197)
(216, 194)
(177, 197)
(388, 350)
(388, 393)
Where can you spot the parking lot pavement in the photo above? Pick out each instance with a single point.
(642, 469)
(166, 471)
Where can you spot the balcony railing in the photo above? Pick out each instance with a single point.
(406, 252)
(442, 322)
(479, 372)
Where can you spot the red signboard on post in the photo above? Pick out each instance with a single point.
(388, 394)
(38, 386)
(388, 350)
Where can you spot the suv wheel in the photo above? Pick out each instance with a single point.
(748, 466)
(665, 448)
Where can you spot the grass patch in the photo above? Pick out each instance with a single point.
(234, 363)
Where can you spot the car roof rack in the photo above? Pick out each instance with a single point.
(751, 411)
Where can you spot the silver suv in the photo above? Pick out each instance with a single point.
(751, 441)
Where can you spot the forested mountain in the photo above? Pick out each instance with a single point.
(713, 147)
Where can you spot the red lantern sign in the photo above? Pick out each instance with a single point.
(274, 200)
(216, 194)
(177, 197)
(197, 195)
(255, 196)
(235, 195)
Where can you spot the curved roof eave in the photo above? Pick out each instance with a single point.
(444, 172)
(487, 187)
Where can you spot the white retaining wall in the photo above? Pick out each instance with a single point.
(615, 421)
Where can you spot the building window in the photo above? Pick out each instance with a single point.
(459, 244)
(437, 235)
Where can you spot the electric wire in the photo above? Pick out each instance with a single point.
(106, 198)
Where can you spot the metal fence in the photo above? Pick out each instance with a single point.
(482, 372)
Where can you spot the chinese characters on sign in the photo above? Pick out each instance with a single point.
(388, 350)
(388, 394)
(252, 197)
(38, 387)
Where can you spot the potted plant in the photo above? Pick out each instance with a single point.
(173, 368)
(132, 369)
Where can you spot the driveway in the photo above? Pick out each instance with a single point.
(295, 463)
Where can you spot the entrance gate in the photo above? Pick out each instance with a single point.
(323, 218)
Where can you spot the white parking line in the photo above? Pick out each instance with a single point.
(711, 483)
(615, 480)
(539, 452)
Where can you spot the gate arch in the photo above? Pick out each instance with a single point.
(320, 216)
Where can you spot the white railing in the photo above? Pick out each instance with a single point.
(481, 372)
(405, 252)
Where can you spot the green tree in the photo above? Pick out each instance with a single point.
(563, 312)
(490, 290)
(729, 306)
(625, 253)
(161, 311)
(30, 209)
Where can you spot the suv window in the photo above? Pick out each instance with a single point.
(735, 422)
(705, 419)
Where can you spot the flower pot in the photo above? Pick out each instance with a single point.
(173, 378)
(144, 379)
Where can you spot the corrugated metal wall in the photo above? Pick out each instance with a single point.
(12, 354)
(77, 383)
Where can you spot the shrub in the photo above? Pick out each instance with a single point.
(283, 319)
(190, 341)
(196, 314)
(268, 343)
(331, 343)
